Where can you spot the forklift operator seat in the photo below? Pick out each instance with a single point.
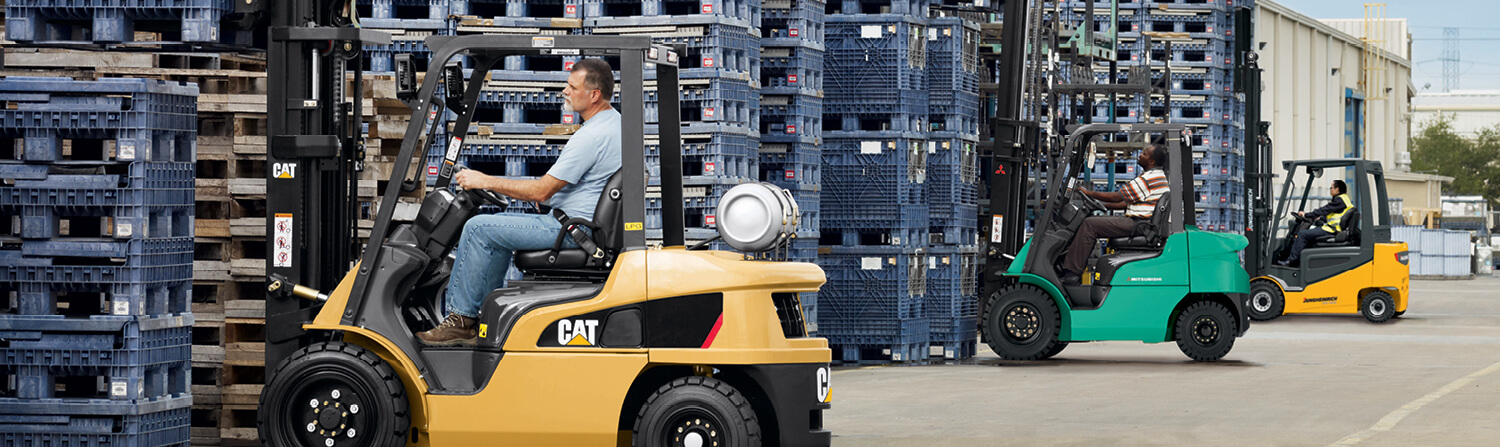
(1151, 233)
(1347, 236)
(576, 262)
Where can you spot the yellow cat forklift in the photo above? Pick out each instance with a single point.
(618, 345)
(1357, 270)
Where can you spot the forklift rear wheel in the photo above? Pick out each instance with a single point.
(334, 394)
(1378, 307)
(696, 411)
(1205, 331)
(1021, 323)
(1266, 301)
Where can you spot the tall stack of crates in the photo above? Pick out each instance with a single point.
(900, 183)
(791, 124)
(952, 184)
(96, 261)
(1202, 88)
(720, 98)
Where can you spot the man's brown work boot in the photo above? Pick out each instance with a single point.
(456, 330)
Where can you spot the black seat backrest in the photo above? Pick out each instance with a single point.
(1350, 224)
(607, 216)
(1158, 226)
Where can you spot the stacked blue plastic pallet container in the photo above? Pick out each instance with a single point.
(1202, 86)
(720, 109)
(792, 53)
(96, 261)
(901, 110)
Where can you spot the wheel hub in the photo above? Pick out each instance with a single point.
(330, 418)
(1377, 307)
(1022, 322)
(1261, 302)
(1205, 330)
(329, 415)
(695, 431)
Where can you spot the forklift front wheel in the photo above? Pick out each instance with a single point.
(1378, 307)
(696, 411)
(1266, 301)
(1021, 322)
(334, 394)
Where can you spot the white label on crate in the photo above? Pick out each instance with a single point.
(869, 147)
(282, 251)
(118, 389)
(997, 225)
(870, 32)
(931, 263)
(124, 229)
(543, 42)
(869, 263)
(127, 151)
(122, 307)
(932, 33)
(932, 147)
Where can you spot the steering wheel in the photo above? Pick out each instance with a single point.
(1090, 202)
(489, 197)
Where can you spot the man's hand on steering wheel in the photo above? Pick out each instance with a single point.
(473, 182)
(1089, 199)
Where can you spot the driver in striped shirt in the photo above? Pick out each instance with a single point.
(1138, 199)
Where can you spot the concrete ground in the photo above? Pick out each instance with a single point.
(1429, 378)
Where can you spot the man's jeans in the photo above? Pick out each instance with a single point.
(485, 250)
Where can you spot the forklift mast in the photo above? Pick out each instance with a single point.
(316, 151)
(1013, 142)
(1257, 141)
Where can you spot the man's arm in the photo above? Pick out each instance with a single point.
(538, 190)
(1109, 198)
(1332, 207)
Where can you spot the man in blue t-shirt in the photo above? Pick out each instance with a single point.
(573, 185)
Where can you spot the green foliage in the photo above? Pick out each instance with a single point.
(1474, 163)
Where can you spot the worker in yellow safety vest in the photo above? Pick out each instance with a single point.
(1333, 214)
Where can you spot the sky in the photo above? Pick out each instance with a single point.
(1477, 20)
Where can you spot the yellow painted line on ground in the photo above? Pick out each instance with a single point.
(1390, 420)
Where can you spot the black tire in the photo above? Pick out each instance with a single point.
(1398, 314)
(338, 387)
(1266, 301)
(1056, 349)
(1377, 306)
(702, 407)
(1205, 331)
(1021, 322)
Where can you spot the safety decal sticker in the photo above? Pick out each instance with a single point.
(282, 251)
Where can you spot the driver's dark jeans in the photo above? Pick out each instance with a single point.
(1088, 237)
(1304, 237)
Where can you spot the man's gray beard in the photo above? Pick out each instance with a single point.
(567, 107)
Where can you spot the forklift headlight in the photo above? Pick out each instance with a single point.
(757, 217)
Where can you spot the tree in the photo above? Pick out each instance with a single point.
(1474, 163)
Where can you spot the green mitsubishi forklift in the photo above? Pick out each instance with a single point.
(1170, 282)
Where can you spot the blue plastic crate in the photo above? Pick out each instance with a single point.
(1217, 166)
(952, 178)
(1221, 220)
(875, 181)
(874, 54)
(791, 165)
(571, 9)
(1199, 54)
(69, 342)
(791, 118)
(953, 54)
(381, 58)
(402, 9)
(162, 428)
(847, 8)
(1201, 24)
(108, 291)
(792, 23)
(902, 111)
(129, 200)
(713, 46)
(786, 70)
(745, 11)
(60, 21)
(952, 111)
(114, 120)
(952, 288)
(707, 157)
(1203, 110)
(1210, 82)
(874, 295)
(1195, 5)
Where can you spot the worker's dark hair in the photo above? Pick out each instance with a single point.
(1343, 189)
(597, 74)
(1158, 155)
